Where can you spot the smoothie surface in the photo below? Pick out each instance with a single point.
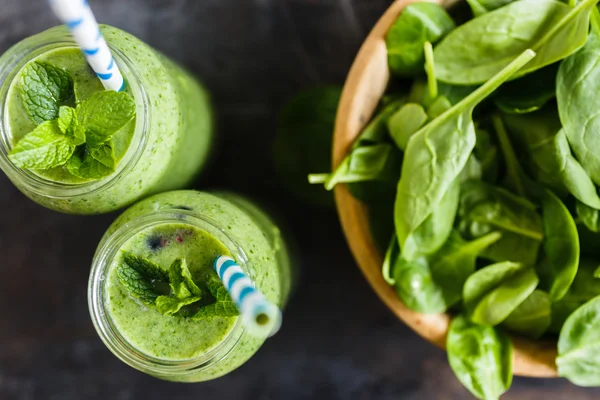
(161, 336)
(86, 83)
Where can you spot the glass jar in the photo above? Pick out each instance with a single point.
(173, 133)
(141, 336)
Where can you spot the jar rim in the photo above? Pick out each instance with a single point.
(11, 64)
(106, 329)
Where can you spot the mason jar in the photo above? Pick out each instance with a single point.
(197, 227)
(172, 132)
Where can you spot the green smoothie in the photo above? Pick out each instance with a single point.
(164, 147)
(196, 227)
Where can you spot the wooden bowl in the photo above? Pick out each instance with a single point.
(366, 83)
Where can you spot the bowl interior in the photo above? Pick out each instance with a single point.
(364, 87)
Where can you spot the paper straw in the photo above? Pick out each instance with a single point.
(79, 19)
(262, 317)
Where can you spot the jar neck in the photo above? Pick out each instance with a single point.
(11, 64)
(109, 333)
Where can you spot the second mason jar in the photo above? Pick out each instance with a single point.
(163, 148)
(174, 331)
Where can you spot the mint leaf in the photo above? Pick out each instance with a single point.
(137, 284)
(44, 88)
(223, 307)
(93, 163)
(178, 286)
(182, 283)
(104, 114)
(145, 267)
(216, 288)
(69, 125)
(43, 148)
(218, 309)
(142, 278)
(170, 305)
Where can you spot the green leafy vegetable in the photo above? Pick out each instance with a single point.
(579, 345)
(561, 245)
(436, 155)
(480, 7)
(104, 114)
(578, 103)
(43, 148)
(44, 88)
(477, 50)
(484, 208)
(434, 284)
(141, 277)
(551, 162)
(405, 122)
(532, 317)
(69, 125)
(589, 216)
(371, 157)
(93, 163)
(494, 292)
(481, 358)
(223, 305)
(419, 23)
(515, 179)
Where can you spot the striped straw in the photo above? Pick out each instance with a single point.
(80, 20)
(262, 317)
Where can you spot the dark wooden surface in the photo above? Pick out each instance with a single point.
(337, 342)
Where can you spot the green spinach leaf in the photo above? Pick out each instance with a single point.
(480, 7)
(477, 50)
(561, 245)
(532, 317)
(578, 103)
(433, 284)
(371, 156)
(481, 358)
(484, 208)
(579, 345)
(436, 155)
(419, 23)
(589, 216)
(491, 294)
(551, 162)
(405, 122)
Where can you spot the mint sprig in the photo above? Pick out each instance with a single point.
(45, 147)
(44, 88)
(79, 138)
(170, 291)
(104, 114)
(223, 307)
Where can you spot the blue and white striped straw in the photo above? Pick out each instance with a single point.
(262, 317)
(78, 17)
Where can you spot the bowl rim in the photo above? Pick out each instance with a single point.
(365, 84)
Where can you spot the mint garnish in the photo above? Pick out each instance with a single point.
(70, 126)
(90, 126)
(44, 88)
(43, 148)
(223, 307)
(145, 267)
(104, 114)
(93, 163)
(141, 278)
(170, 291)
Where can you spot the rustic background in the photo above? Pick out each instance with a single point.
(337, 342)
